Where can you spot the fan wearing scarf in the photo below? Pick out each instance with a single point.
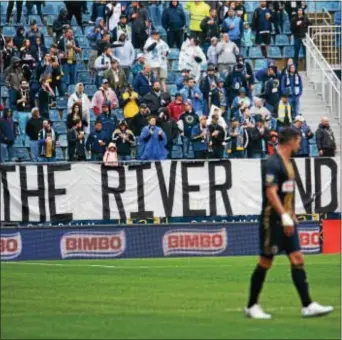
(292, 85)
(47, 142)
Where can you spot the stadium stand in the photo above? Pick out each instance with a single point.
(74, 77)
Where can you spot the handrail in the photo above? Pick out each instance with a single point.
(324, 10)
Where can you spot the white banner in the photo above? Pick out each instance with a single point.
(65, 192)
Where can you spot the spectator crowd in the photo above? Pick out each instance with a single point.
(129, 84)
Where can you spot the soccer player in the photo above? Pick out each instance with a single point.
(278, 228)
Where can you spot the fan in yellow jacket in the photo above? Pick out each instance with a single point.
(198, 10)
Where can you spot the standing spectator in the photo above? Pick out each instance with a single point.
(75, 8)
(19, 5)
(325, 139)
(200, 139)
(271, 90)
(241, 99)
(56, 77)
(283, 112)
(192, 57)
(61, 23)
(76, 115)
(122, 27)
(33, 127)
(210, 29)
(237, 139)
(259, 108)
(102, 64)
(245, 118)
(212, 53)
(191, 91)
(104, 95)
(113, 12)
(138, 16)
(124, 140)
(108, 120)
(292, 7)
(38, 51)
(198, 11)
(24, 102)
(272, 143)
(76, 142)
(170, 128)
(116, 77)
(292, 85)
(176, 107)
(234, 81)
(96, 142)
(83, 101)
(249, 74)
(69, 47)
(226, 51)
(7, 136)
(216, 138)
(285, 70)
(187, 121)
(299, 28)
(247, 37)
(13, 78)
(156, 99)
(152, 142)
(278, 16)
(34, 33)
(206, 86)
(19, 37)
(125, 53)
(45, 94)
(185, 74)
(48, 141)
(140, 120)
(156, 52)
(306, 134)
(98, 9)
(9, 51)
(143, 81)
(138, 66)
(257, 137)
(110, 158)
(130, 104)
(173, 21)
(262, 25)
(233, 25)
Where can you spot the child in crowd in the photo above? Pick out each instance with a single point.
(110, 158)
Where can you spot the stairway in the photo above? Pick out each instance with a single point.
(313, 108)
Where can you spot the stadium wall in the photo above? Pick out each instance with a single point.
(66, 192)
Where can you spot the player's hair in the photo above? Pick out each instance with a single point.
(287, 134)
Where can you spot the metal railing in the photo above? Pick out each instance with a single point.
(324, 79)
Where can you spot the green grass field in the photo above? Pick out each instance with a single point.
(180, 298)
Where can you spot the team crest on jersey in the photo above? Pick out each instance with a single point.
(269, 179)
(275, 250)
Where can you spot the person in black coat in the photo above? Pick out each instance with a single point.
(206, 85)
(217, 134)
(60, 23)
(44, 94)
(19, 37)
(76, 142)
(156, 99)
(256, 136)
(210, 28)
(138, 15)
(140, 120)
(75, 8)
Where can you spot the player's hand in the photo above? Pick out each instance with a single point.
(288, 224)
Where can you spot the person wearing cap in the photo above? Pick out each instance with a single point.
(7, 135)
(241, 99)
(124, 139)
(306, 134)
(176, 107)
(200, 139)
(122, 27)
(210, 28)
(226, 53)
(233, 25)
(48, 141)
(185, 73)
(33, 127)
(152, 142)
(283, 112)
(237, 139)
(59, 23)
(140, 120)
(156, 52)
(143, 81)
(109, 121)
(325, 139)
(247, 35)
(192, 91)
(96, 142)
(34, 33)
(272, 143)
(174, 21)
(116, 77)
(102, 64)
(138, 66)
(198, 10)
(104, 95)
(186, 122)
(212, 53)
(156, 98)
(125, 53)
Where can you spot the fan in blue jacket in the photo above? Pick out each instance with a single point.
(143, 82)
(304, 129)
(7, 135)
(108, 120)
(96, 142)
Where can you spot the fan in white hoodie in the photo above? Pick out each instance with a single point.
(113, 12)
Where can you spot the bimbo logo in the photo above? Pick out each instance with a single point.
(93, 244)
(309, 240)
(194, 242)
(10, 246)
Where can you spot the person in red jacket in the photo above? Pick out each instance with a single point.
(176, 108)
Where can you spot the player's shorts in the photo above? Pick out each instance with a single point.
(263, 38)
(274, 241)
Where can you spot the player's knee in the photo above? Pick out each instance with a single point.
(297, 260)
(265, 262)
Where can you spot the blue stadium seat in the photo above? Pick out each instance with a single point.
(59, 154)
(288, 52)
(320, 5)
(274, 52)
(173, 54)
(54, 115)
(84, 77)
(130, 78)
(172, 89)
(292, 40)
(171, 78)
(119, 114)
(21, 154)
(281, 40)
(4, 92)
(77, 32)
(260, 64)
(92, 115)
(44, 31)
(60, 127)
(90, 90)
(334, 6)
(301, 53)
(87, 29)
(85, 54)
(249, 17)
(49, 20)
(27, 141)
(71, 89)
(243, 51)
(155, 14)
(63, 141)
(37, 18)
(175, 65)
(250, 6)
(136, 52)
(287, 28)
(250, 62)
(257, 89)
(80, 67)
(50, 9)
(255, 52)
(83, 42)
(19, 142)
(61, 103)
(8, 31)
(204, 67)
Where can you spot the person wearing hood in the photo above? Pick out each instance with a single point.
(174, 21)
(82, 99)
(325, 139)
(125, 53)
(138, 66)
(122, 27)
(249, 73)
(234, 81)
(130, 104)
(19, 6)
(35, 33)
(38, 51)
(152, 142)
(7, 135)
(33, 127)
(247, 35)
(13, 77)
(48, 141)
(138, 16)
(124, 139)
(96, 142)
(19, 37)
(156, 98)
(292, 85)
(110, 158)
(176, 107)
(198, 10)
(306, 134)
(271, 89)
(226, 51)
(60, 23)
(108, 120)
